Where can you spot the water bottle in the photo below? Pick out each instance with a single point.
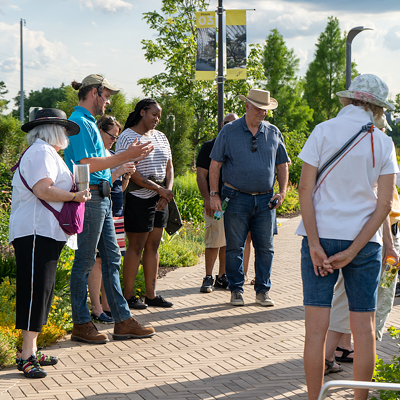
(390, 272)
(218, 214)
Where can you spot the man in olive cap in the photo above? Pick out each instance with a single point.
(250, 150)
(98, 230)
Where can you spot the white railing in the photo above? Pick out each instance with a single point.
(357, 385)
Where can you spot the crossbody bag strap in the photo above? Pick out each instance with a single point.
(335, 156)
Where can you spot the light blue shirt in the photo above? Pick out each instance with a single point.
(86, 144)
(246, 170)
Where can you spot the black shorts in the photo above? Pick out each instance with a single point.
(141, 215)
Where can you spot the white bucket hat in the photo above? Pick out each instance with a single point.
(369, 88)
(261, 99)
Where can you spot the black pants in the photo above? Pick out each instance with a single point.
(37, 259)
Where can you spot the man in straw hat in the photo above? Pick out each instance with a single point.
(98, 230)
(249, 150)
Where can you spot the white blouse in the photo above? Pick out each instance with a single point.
(28, 215)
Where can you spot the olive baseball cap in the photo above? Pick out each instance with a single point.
(96, 79)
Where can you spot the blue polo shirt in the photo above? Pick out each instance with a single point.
(246, 170)
(87, 144)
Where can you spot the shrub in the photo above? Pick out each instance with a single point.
(291, 203)
(389, 373)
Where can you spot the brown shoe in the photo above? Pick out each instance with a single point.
(131, 329)
(88, 333)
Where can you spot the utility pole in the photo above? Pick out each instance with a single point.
(220, 77)
(21, 101)
(350, 36)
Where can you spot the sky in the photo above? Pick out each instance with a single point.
(66, 40)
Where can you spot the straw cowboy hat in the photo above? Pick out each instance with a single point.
(261, 99)
(369, 88)
(52, 116)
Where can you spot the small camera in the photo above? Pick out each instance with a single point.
(273, 203)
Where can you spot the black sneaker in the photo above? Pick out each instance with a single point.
(158, 301)
(221, 282)
(207, 286)
(135, 303)
(31, 368)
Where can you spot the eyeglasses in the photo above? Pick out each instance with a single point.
(226, 122)
(111, 136)
(254, 144)
(113, 119)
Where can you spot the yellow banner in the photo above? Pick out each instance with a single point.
(206, 45)
(205, 19)
(236, 17)
(236, 35)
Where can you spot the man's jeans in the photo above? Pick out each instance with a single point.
(98, 233)
(248, 213)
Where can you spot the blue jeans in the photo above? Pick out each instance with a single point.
(248, 213)
(98, 233)
(361, 276)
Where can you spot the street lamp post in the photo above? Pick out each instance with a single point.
(350, 36)
(21, 101)
(220, 77)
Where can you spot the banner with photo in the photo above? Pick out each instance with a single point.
(236, 33)
(206, 45)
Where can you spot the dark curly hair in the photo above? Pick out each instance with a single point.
(134, 117)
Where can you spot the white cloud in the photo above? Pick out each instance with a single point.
(14, 7)
(107, 6)
(94, 23)
(392, 38)
(86, 44)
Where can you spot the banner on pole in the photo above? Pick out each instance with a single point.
(206, 45)
(236, 33)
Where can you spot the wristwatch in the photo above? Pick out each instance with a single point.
(213, 193)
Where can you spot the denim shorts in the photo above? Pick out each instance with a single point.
(361, 276)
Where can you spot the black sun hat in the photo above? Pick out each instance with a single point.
(52, 116)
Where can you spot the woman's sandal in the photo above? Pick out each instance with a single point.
(331, 368)
(345, 355)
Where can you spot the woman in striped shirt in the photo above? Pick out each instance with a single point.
(146, 206)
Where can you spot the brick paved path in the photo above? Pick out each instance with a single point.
(204, 348)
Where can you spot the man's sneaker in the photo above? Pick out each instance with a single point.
(88, 333)
(135, 303)
(237, 299)
(221, 282)
(264, 299)
(43, 359)
(103, 318)
(158, 301)
(131, 329)
(31, 368)
(207, 286)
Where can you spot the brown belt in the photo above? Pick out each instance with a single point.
(242, 191)
(94, 187)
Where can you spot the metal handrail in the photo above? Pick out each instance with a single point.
(357, 385)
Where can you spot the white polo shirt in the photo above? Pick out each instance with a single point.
(28, 215)
(347, 197)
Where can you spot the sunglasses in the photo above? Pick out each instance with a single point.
(113, 119)
(226, 122)
(254, 144)
(111, 136)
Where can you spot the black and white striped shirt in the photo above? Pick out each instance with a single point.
(155, 163)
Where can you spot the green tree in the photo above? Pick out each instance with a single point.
(281, 67)
(177, 122)
(176, 47)
(3, 101)
(45, 98)
(326, 74)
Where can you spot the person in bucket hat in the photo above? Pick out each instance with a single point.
(34, 231)
(249, 150)
(342, 210)
(94, 94)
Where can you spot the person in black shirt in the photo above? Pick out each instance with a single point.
(215, 234)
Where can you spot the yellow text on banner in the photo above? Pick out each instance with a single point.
(205, 19)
